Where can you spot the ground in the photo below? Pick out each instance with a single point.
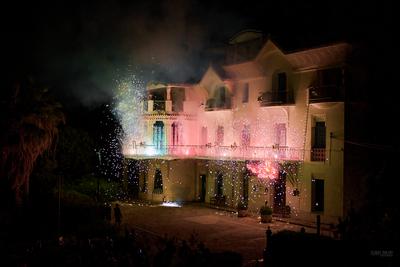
(219, 230)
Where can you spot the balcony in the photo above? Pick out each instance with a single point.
(318, 154)
(325, 93)
(159, 105)
(214, 152)
(213, 104)
(276, 98)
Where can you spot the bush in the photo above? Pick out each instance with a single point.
(241, 206)
(265, 210)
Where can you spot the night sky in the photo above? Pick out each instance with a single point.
(81, 48)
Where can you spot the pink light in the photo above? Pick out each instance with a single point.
(264, 169)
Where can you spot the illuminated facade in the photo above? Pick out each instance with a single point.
(267, 126)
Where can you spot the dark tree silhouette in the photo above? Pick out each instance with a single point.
(29, 121)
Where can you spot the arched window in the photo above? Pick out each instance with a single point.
(158, 182)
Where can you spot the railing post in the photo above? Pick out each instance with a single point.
(318, 224)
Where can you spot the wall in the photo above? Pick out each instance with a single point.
(178, 179)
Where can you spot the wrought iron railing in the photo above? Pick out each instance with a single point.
(325, 93)
(216, 152)
(275, 98)
(159, 105)
(318, 154)
(213, 104)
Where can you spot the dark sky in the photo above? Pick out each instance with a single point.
(81, 48)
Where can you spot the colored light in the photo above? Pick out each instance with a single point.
(171, 204)
(264, 169)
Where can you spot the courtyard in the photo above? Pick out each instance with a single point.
(220, 230)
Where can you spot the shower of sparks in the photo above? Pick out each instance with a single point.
(261, 173)
(128, 108)
(264, 169)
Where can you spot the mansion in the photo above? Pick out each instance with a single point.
(268, 126)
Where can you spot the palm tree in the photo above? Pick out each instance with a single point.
(30, 121)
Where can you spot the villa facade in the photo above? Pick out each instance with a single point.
(266, 126)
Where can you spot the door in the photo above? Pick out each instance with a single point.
(245, 189)
(158, 135)
(203, 187)
(280, 193)
(317, 195)
(280, 134)
(219, 185)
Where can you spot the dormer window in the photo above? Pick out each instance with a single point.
(282, 82)
(280, 93)
(220, 99)
(221, 95)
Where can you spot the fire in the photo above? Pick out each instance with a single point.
(264, 169)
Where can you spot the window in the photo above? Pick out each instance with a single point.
(158, 134)
(245, 138)
(328, 86)
(319, 135)
(219, 181)
(159, 96)
(221, 96)
(158, 182)
(245, 96)
(318, 141)
(282, 81)
(176, 133)
(220, 136)
(317, 195)
(178, 97)
(203, 136)
(280, 134)
(330, 77)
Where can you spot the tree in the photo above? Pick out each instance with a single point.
(30, 118)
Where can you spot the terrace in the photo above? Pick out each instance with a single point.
(214, 152)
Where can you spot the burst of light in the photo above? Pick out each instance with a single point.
(171, 204)
(150, 151)
(264, 169)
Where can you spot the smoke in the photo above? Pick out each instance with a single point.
(79, 47)
(82, 49)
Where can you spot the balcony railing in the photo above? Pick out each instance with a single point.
(326, 93)
(213, 104)
(215, 152)
(276, 98)
(159, 105)
(318, 154)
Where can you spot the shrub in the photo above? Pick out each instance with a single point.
(241, 206)
(265, 210)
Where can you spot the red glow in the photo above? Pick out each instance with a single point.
(264, 169)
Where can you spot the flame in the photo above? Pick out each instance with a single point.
(264, 169)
